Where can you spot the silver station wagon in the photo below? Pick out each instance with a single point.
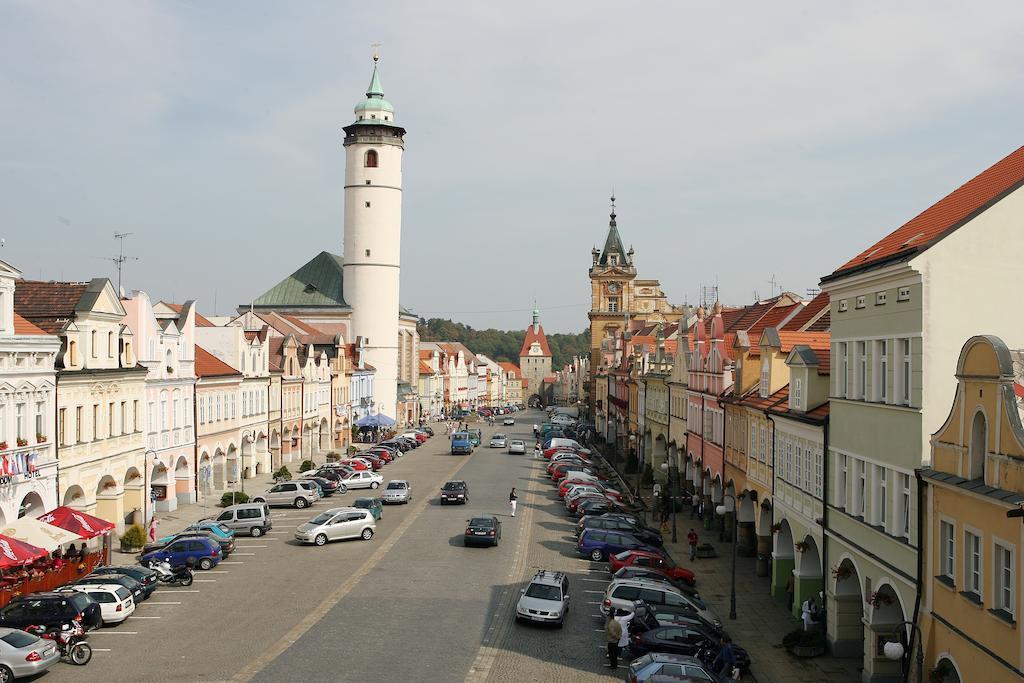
(337, 524)
(397, 491)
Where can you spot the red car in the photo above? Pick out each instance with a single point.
(381, 454)
(563, 471)
(643, 558)
(554, 464)
(574, 504)
(356, 464)
(550, 452)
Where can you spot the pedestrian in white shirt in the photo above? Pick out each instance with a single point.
(512, 498)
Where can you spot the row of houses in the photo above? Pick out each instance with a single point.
(867, 444)
(124, 407)
(452, 378)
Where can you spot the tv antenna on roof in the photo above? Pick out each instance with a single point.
(120, 259)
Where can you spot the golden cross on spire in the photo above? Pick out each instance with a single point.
(376, 51)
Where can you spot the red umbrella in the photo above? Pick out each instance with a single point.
(76, 521)
(14, 553)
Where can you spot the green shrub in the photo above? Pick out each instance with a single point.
(233, 498)
(352, 450)
(282, 473)
(133, 537)
(801, 638)
(306, 466)
(334, 456)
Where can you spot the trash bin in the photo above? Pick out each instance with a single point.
(707, 524)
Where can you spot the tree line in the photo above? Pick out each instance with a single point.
(503, 345)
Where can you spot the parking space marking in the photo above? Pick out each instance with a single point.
(593, 603)
(216, 571)
(251, 546)
(175, 590)
(112, 633)
(204, 581)
(587, 580)
(243, 555)
(596, 592)
(135, 617)
(166, 603)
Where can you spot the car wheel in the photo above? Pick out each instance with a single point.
(256, 532)
(367, 534)
(596, 555)
(206, 563)
(321, 539)
(374, 484)
(6, 675)
(300, 503)
(259, 500)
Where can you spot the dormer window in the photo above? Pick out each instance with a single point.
(798, 388)
(765, 376)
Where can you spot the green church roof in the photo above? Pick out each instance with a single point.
(318, 283)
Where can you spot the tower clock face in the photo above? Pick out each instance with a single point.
(613, 287)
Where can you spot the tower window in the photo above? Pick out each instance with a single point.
(367, 253)
(370, 160)
(367, 205)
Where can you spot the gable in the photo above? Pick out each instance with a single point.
(318, 283)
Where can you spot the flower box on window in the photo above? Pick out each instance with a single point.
(22, 442)
(801, 547)
(841, 572)
(3, 445)
(877, 599)
(40, 438)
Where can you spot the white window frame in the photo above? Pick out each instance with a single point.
(881, 390)
(882, 509)
(880, 298)
(862, 301)
(861, 359)
(903, 294)
(974, 551)
(818, 472)
(844, 375)
(766, 376)
(906, 501)
(843, 473)
(1003, 595)
(861, 490)
(947, 549)
(795, 463)
(798, 385)
(906, 347)
(843, 305)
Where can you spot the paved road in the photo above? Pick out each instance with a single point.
(412, 604)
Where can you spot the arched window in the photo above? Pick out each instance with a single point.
(371, 158)
(979, 442)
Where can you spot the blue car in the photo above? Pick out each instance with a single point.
(198, 550)
(600, 544)
(462, 444)
(216, 528)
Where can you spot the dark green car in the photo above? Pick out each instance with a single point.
(372, 504)
(475, 436)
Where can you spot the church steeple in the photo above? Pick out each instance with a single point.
(536, 318)
(613, 253)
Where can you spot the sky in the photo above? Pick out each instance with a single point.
(746, 143)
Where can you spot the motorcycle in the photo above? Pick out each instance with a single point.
(172, 576)
(69, 639)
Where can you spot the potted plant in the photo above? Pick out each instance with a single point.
(3, 445)
(801, 643)
(776, 528)
(841, 572)
(801, 547)
(283, 474)
(233, 497)
(706, 550)
(22, 442)
(40, 438)
(877, 599)
(133, 539)
(939, 672)
(306, 466)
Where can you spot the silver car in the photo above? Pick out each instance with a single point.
(397, 491)
(498, 441)
(546, 599)
(295, 493)
(337, 524)
(517, 446)
(16, 647)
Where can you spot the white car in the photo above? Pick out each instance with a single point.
(116, 603)
(498, 441)
(517, 446)
(397, 491)
(508, 421)
(363, 479)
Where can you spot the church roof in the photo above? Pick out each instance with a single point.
(535, 335)
(612, 243)
(317, 284)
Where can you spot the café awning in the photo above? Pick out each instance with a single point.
(378, 420)
(15, 553)
(40, 534)
(76, 521)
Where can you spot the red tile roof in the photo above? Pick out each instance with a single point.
(822, 324)
(208, 365)
(200, 320)
(47, 305)
(22, 326)
(538, 337)
(510, 367)
(773, 318)
(754, 399)
(425, 368)
(940, 219)
(810, 315)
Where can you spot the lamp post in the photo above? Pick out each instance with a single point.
(673, 475)
(721, 511)
(895, 651)
(145, 486)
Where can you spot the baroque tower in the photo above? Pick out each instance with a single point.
(373, 234)
(535, 358)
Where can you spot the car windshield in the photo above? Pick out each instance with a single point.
(543, 592)
(481, 521)
(19, 639)
(363, 502)
(498, 436)
(322, 518)
(396, 485)
(453, 485)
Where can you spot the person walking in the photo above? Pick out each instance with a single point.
(536, 451)
(692, 539)
(512, 498)
(789, 592)
(612, 633)
(725, 662)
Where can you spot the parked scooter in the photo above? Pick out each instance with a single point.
(172, 576)
(69, 639)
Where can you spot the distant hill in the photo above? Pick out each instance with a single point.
(503, 345)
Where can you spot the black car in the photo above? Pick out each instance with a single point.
(601, 506)
(144, 575)
(428, 430)
(454, 492)
(403, 446)
(134, 585)
(681, 640)
(647, 616)
(51, 610)
(482, 531)
(329, 473)
(646, 534)
(327, 485)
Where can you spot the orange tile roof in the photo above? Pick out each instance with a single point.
(425, 368)
(510, 367)
(208, 365)
(754, 400)
(22, 326)
(47, 305)
(811, 312)
(200, 320)
(773, 318)
(538, 337)
(940, 219)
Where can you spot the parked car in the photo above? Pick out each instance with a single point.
(602, 506)
(371, 504)
(647, 617)
(291, 493)
(482, 530)
(654, 560)
(598, 544)
(461, 444)
(363, 480)
(454, 492)
(25, 654)
(202, 551)
(227, 545)
(357, 464)
(115, 601)
(328, 487)
(647, 574)
(402, 446)
(667, 667)
(248, 518)
(517, 447)
(646, 534)
(415, 435)
(623, 593)
(215, 528)
(144, 575)
(625, 516)
(337, 524)
(681, 640)
(397, 491)
(499, 440)
(133, 586)
(545, 600)
(51, 609)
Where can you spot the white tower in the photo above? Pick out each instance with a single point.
(373, 235)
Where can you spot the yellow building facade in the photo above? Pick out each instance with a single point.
(973, 555)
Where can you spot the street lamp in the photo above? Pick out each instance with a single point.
(895, 650)
(145, 485)
(672, 493)
(721, 511)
